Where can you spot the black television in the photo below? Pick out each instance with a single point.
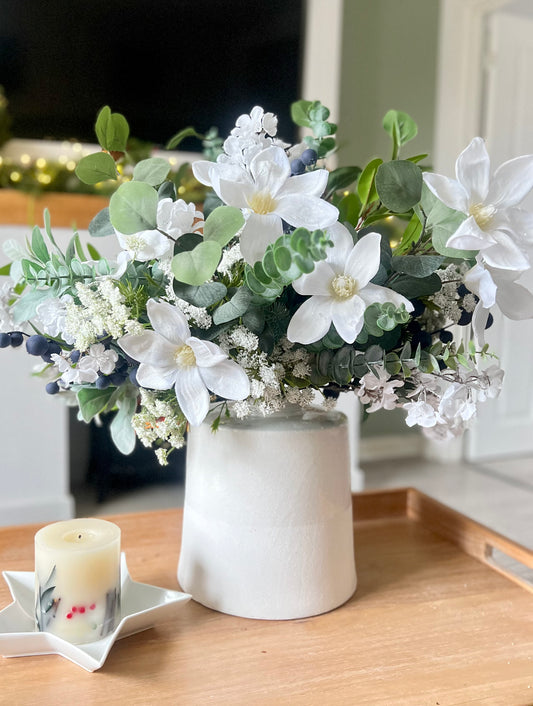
(164, 64)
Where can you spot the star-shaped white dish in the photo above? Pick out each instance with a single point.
(142, 606)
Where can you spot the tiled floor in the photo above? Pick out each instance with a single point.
(498, 494)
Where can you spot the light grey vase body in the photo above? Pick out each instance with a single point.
(267, 527)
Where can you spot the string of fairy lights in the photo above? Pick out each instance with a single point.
(37, 166)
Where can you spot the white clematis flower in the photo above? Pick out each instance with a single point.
(170, 357)
(339, 289)
(174, 218)
(268, 195)
(500, 288)
(494, 225)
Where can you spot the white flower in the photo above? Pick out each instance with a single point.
(254, 123)
(171, 357)
(494, 286)
(174, 218)
(268, 194)
(339, 289)
(421, 413)
(494, 225)
(52, 314)
(378, 390)
(456, 404)
(6, 320)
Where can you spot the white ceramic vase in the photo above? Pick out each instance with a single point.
(267, 526)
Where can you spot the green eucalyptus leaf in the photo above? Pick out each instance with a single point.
(223, 224)
(197, 266)
(413, 287)
(235, 308)
(101, 225)
(400, 126)
(349, 208)
(399, 185)
(112, 130)
(203, 296)
(417, 265)
(153, 171)
(96, 167)
(186, 242)
(443, 222)
(133, 207)
(167, 190)
(300, 113)
(5, 270)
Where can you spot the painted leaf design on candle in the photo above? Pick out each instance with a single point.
(112, 607)
(46, 605)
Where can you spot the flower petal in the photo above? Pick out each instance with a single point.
(316, 282)
(515, 301)
(469, 236)
(206, 353)
(270, 170)
(348, 317)
(258, 233)
(312, 183)
(511, 183)
(192, 395)
(311, 321)
(473, 170)
(202, 170)
(479, 321)
(373, 293)
(505, 253)
(342, 246)
(235, 193)
(363, 261)
(148, 347)
(449, 191)
(156, 377)
(479, 281)
(226, 379)
(307, 211)
(168, 321)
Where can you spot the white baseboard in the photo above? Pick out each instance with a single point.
(37, 510)
(389, 446)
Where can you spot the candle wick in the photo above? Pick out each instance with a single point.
(79, 536)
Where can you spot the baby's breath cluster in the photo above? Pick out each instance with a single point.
(159, 422)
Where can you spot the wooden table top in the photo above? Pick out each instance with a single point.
(429, 625)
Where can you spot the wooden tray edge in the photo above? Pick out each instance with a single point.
(473, 538)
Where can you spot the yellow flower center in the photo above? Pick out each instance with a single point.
(134, 243)
(344, 286)
(185, 357)
(483, 215)
(262, 203)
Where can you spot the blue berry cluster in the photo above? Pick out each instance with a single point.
(13, 339)
(308, 158)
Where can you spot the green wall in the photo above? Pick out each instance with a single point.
(389, 60)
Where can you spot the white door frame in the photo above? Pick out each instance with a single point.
(460, 77)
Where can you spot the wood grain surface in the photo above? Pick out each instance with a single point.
(429, 625)
(66, 210)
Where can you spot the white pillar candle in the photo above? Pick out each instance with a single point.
(77, 579)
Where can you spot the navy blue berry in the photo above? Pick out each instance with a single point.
(103, 382)
(446, 336)
(465, 319)
(16, 339)
(5, 340)
(297, 167)
(490, 321)
(53, 349)
(462, 290)
(37, 345)
(52, 388)
(309, 157)
(74, 356)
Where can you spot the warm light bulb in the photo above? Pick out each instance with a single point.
(15, 176)
(40, 163)
(25, 159)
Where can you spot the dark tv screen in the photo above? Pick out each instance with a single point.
(164, 64)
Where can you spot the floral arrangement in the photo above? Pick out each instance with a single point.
(286, 287)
